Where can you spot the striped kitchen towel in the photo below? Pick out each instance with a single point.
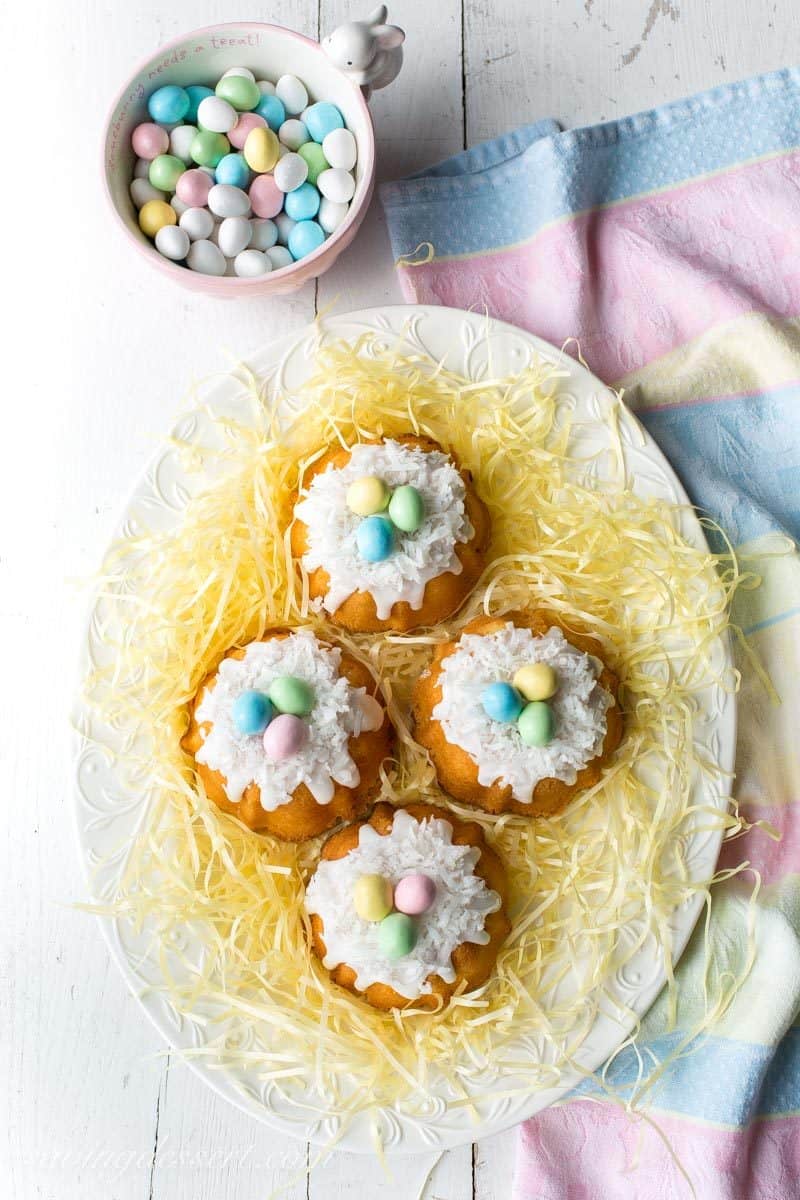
(668, 245)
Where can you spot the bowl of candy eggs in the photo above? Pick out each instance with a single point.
(240, 160)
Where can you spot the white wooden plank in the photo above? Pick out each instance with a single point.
(493, 1164)
(355, 1177)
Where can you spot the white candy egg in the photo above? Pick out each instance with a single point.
(180, 142)
(206, 258)
(331, 214)
(264, 233)
(339, 148)
(289, 172)
(251, 263)
(172, 242)
(294, 134)
(216, 114)
(336, 184)
(279, 256)
(198, 223)
(245, 71)
(234, 235)
(228, 201)
(265, 87)
(285, 225)
(209, 171)
(142, 169)
(283, 151)
(292, 93)
(179, 205)
(143, 191)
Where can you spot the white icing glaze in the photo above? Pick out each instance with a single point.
(418, 557)
(496, 748)
(458, 913)
(340, 712)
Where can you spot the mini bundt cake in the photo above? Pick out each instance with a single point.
(518, 714)
(408, 906)
(288, 734)
(391, 534)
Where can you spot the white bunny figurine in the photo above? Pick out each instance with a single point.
(369, 52)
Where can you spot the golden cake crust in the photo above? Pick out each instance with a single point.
(473, 963)
(443, 595)
(302, 817)
(458, 773)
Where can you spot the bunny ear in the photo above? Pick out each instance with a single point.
(388, 37)
(378, 17)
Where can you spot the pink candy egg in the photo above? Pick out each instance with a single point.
(149, 140)
(284, 736)
(414, 894)
(266, 198)
(193, 188)
(247, 122)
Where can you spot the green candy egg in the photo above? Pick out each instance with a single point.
(315, 160)
(407, 509)
(397, 935)
(536, 723)
(165, 171)
(240, 92)
(208, 148)
(291, 695)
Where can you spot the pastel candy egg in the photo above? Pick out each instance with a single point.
(149, 140)
(397, 935)
(245, 72)
(331, 215)
(284, 736)
(536, 723)
(197, 92)
(339, 147)
(291, 695)
(272, 110)
(216, 115)
(141, 168)
(280, 257)
(290, 172)
(263, 233)
(180, 142)
(234, 170)
(370, 714)
(501, 702)
(209, 147)
(179, 206)
(320, 119)
(168, 104)
(266, 198)
(198, 223)
(284, 224)
(239, 91)
(205, 258)
(245, 125)
(154, 215)
(193, 188)
(407, 508)
(293, 134)
(142, 190)
(233, 235)
(266, 87)
(536, 681)
(165, 171)
(261, 150)
(249, 264)
(305, 238)
(251, 712)
(367, 495)
(292, 94)
(172, 242)
(315, 158)
(227, 201)
(375, 535)
(414, 894)
(337, 185)
(303, 203)
(372, 897)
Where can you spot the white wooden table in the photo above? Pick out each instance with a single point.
(101, 351)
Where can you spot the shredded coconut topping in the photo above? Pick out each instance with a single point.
(458, 913)
(496, 748)
(340, 712)
(417, 558)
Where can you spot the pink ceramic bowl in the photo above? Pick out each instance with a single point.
(201, 57)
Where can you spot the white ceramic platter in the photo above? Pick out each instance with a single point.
(108, 813)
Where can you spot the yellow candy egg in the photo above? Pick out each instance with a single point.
(536, 681)
(155, 215)
(372, 897)
(261, 149)
(367, 496)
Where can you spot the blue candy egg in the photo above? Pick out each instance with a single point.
(303, 203)
(305, 238)
(501, 702)
(168, 104)
(251, 712)
(272, 110)
(232, 169)
(196, 92)
(321, 119)
(374, 536)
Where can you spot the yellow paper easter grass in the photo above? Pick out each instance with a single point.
(174, 602)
